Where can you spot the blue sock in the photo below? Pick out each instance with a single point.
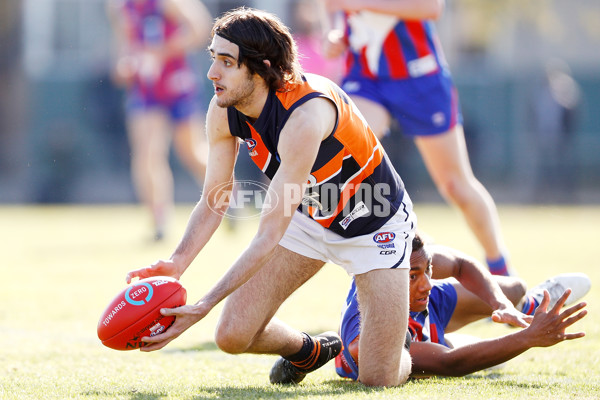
(529, 305)
(498, 266)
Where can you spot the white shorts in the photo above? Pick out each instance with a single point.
(388, 247)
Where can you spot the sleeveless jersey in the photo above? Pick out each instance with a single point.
(384, 46)
(150, 26)
(353, 188)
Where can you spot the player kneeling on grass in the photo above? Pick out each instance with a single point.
(333, 196)
(441, 306)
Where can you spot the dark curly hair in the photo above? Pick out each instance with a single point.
(261, 36)
(417, 243)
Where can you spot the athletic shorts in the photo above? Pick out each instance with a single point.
(423, 106)
(178, 109)
(387, 248)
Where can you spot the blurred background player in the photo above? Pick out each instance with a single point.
(441, 306)
(153, 39)
(554, 113)
(396, 70)
(308, 30)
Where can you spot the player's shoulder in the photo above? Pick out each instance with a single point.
(441, 291)
(313, 98)
(315, 118)
(217, 118)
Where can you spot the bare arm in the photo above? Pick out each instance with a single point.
(309, 122)
(195, 23)
(546, 329)
(207, 214)
(125, 64)
(448, 262)
(334, 43)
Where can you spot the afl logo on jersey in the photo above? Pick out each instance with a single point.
(384, 237)
(251, 143)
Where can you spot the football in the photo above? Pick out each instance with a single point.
(135, 312)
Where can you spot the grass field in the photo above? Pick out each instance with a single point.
(62, 265)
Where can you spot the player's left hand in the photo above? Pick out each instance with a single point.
(509, 315)
(185, 316)
(549, 325)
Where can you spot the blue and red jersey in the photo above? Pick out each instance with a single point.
(387, 47)
(426, 326)
(149, 26)
(353, 189)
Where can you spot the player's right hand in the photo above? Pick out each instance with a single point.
(185, 316)
(511, 316)
(159, 268)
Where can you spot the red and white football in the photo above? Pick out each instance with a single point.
(135, 312)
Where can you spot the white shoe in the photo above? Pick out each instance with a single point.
(578, 282)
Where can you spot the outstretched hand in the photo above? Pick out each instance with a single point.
(185, 316)
(159, 268)
(548, 326)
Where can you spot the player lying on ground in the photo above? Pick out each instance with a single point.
(437, 307)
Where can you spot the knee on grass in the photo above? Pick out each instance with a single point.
(389, 378)
(231, 340)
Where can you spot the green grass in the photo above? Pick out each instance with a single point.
(62, 265)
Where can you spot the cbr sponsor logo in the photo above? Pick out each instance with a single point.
(387, 252)
(139, 294)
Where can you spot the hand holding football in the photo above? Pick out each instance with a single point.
(135, 312)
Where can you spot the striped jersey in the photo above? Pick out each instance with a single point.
(430, 325)
(353, 188)
(387, 47)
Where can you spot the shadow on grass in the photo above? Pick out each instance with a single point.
(331, 387)
(327, 388)
(491, 378)
(133, 395)
(206, 346)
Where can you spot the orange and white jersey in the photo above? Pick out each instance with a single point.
(353, 188)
